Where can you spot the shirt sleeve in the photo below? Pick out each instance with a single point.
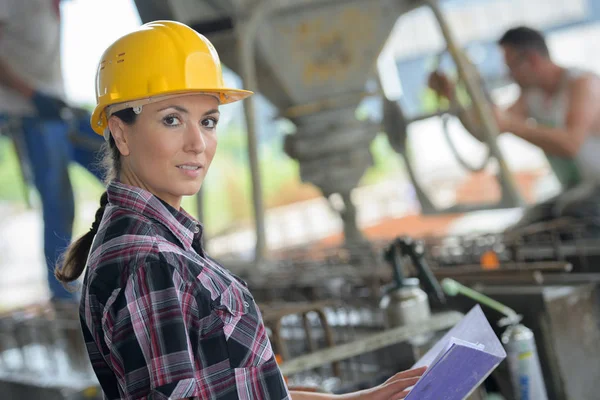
(151, 350)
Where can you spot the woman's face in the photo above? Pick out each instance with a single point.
(169, 148)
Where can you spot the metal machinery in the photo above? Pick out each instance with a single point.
(549, 273)
(312, 59)
(42, 355)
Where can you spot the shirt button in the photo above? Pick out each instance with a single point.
(246, 304)
(196, 229)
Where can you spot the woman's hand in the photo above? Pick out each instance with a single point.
(392, 389)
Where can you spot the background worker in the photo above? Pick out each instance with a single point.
(558, 110)
(32, 94)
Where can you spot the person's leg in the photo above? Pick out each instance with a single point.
(49, 153)
(86, 146)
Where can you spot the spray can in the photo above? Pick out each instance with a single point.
(523, 363)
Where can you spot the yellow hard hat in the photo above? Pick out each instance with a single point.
(161, 58)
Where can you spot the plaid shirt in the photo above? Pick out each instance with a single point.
(161, 319)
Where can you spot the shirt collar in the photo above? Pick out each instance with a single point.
(179, 222)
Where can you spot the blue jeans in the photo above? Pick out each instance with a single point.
(49, 152)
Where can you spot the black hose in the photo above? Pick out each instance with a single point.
(446, 131)
(454, 150)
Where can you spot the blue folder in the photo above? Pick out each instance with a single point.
(460, 361)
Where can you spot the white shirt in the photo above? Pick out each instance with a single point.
(30, 46)
(552, 112)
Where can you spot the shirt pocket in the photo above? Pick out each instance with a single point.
(247, 341)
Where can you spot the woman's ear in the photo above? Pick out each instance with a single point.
(118, 131)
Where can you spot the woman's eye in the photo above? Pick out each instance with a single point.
(171, 121)
(209, 123)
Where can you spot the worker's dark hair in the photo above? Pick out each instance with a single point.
(524, 38)
(72, 264)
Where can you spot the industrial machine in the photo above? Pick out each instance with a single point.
(42, 355)
(314, 61)
(333, 46)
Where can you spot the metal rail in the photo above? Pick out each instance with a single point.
(370, 343)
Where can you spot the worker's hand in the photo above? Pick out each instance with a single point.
(48, 107)
(394, 388)
(503, 119)
(441, 84)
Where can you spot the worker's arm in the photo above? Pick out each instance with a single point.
(397, 387)
(584, 104)
(10, 79)
(296, 395)
(468, 117)
(518, 110)
(47, 107)
(472, 123)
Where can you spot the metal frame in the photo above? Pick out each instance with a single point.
(247, 31)
(396, 122)
(481, 106)
(437, 322)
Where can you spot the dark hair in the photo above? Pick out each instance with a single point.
(524, 38)
(71, 265)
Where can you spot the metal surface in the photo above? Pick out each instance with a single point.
(43, 355)
(247, 32)
(507, 273)
(32, 390)
(407, 305)
(275, 314)
(331, 331)
(565, 321)
(371, 343)
(543, 246)
(332, 60)
(331, 57)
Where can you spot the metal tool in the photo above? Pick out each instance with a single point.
(404, 301)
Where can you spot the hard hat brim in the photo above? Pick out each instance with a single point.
(99, 120)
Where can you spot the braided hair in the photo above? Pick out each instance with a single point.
(72, 264)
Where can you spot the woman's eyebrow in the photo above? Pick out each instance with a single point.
(185, 111)
(213, 111)
(178, 108)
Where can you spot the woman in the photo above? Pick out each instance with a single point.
(160, 318)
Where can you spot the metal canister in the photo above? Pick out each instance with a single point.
(524, 363)
(407, 305)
